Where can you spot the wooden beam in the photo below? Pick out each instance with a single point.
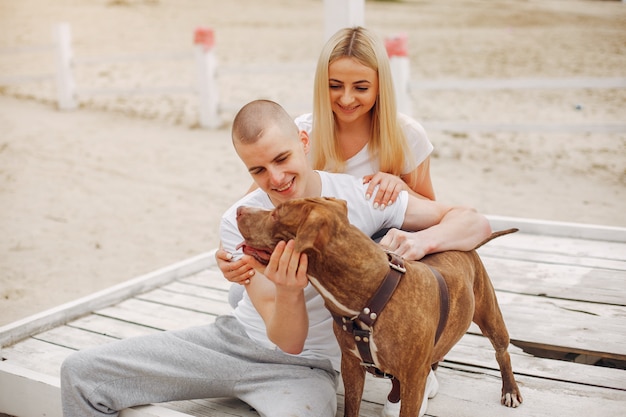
(562, 229)
(17, 386)
(31, 394)
(13, 332)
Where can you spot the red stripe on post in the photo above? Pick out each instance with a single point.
(397, 45)
(205, 37)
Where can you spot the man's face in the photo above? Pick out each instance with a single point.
(278, 165)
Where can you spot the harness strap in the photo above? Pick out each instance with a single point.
(381, 297)
(371, 311)
(377, 303)
(444, 303)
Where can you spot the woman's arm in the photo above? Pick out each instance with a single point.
(423, 185)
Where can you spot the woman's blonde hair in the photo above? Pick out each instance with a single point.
(388, 140)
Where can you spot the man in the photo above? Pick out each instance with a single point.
(276, 351)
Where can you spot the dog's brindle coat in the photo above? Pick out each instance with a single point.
(347, 267)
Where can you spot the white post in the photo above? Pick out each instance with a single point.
(398, 52)
(206, 63)
(340, 14)
(66, 88)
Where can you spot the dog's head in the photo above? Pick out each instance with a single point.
(311, 222)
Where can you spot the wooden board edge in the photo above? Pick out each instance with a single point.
(20, 387)
(559, 229)
(30, 393)
(56, 316)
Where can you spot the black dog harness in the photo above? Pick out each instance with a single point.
(361, 326)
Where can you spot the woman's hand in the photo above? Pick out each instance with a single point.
(389, 187)
(239, 271)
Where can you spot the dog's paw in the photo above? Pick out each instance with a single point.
(511, 399)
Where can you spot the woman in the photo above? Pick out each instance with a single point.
(355, 127)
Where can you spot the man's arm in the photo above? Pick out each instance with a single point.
(276, 291)
(438, 227)
(278, 296)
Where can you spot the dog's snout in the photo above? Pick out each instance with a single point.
(243, 210)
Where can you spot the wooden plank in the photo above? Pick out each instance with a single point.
(211, 278)
(203, 291)
(475, 392)
(17, 386)
(561, 229)
(562, 245)
(37, 355)
(191, 302)
(48, 319)
(155, 315)
(32, 394)
(545, 255)
(108, 326)
(568, 326)
(73, 338)
(46, 351)
(557, 280)
(477, 351)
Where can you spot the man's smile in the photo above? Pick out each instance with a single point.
(284, 187)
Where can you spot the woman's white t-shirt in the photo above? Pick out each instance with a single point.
(320, 342)
(363, 164)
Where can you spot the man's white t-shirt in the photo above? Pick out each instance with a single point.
(320, 342)
(362, 164)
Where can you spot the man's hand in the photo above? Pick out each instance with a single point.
(406, 244)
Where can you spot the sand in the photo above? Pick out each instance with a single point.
(127, 184)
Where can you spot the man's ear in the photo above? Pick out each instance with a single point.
(306, 142)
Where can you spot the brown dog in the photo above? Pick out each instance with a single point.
(347, 268)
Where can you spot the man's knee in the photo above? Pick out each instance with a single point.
(75, 368)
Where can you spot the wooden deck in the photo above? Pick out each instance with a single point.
(561, 287)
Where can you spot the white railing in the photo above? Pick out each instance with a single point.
(210, 76)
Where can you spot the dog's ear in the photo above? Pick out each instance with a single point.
(314, 232)
(340, 205)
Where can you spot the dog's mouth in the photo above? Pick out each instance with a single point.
(261, 255)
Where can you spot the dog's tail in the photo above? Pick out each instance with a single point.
(495, 235)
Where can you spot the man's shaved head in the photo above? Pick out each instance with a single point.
(255, 118)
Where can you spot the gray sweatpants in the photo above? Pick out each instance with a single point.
(218, 360)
